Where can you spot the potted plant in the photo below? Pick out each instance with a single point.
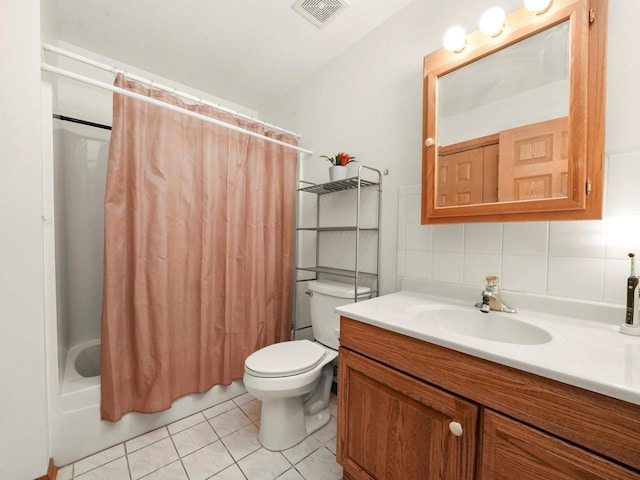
(338, 168)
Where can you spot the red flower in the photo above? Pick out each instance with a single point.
(340, 159)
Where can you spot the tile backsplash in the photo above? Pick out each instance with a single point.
(584, 260)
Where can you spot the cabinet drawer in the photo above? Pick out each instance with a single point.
(512, 450)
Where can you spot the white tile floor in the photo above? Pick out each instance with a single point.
(220, 443)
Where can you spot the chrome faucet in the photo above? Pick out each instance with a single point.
(492, 299)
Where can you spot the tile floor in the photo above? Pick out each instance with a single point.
(220, 443)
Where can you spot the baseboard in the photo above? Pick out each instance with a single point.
(52, 472)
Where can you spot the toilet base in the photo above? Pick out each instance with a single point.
(282, 423)
(279, 429)
(313, 423)
(285, 422)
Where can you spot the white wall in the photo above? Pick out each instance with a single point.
(24, 449)
(368, 102)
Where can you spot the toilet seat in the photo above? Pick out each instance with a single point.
(285, 359)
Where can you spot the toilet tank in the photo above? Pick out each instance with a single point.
(327, 295)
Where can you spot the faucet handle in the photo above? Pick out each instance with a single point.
(492, 281)
(485, 305)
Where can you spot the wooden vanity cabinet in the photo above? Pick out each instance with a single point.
(398, 395)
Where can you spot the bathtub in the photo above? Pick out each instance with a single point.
(79, 388)
(76, 428)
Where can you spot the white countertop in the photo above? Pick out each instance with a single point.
(589, 354)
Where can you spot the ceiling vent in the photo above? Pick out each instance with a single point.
(320, 12)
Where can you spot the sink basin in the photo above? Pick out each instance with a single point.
(494, 326)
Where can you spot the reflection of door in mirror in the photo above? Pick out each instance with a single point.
(534, 164)
(534, 161)
(468, 173)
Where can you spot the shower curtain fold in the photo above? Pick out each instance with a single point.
(198, 252)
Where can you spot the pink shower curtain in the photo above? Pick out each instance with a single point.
(198, 252)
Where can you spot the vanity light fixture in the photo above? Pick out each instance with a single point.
(455, 39)
(538, 6)
(492, 22)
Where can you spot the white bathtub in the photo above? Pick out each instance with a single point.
(76, 428)
(78, 391)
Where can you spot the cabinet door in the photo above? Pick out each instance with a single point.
(394, 427)
(511, 450)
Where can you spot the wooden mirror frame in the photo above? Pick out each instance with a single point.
(588, 21)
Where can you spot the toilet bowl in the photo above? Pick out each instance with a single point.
(293, 379)
(292, 398)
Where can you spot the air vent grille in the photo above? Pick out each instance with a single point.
(320, 12)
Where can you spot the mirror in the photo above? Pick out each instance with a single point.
(524, 83)
(513, 126)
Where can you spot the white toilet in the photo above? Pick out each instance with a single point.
(293, 379)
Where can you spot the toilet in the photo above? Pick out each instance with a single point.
(293, 379)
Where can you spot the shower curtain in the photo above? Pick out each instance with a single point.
(198, 251)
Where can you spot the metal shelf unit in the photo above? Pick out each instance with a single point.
(357, 183)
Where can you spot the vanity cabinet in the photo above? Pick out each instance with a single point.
(398, 397)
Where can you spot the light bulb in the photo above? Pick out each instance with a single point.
(537, 6)
(492, 22)
(455, 39)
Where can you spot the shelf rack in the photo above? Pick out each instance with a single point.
(357, 183)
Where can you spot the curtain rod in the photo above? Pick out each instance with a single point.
(103, 66)
(81, 122)
(96, 83)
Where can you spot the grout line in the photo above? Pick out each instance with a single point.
(186, 472)
(126, 449)
(126, 456)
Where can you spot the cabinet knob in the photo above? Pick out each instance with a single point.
(428, 142)
(455, 428)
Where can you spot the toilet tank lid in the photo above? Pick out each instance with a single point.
(337, 289)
